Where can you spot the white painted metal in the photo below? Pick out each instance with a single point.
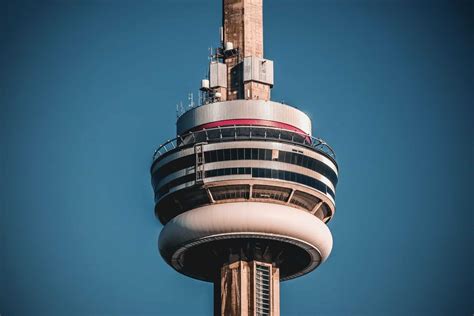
(228, 46)
(243, 109)
(258, 69)
(218, 75)
(205, 84)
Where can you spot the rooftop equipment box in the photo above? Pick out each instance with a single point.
(218, 75)
(258, 69)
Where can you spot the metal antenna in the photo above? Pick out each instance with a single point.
(191, 100)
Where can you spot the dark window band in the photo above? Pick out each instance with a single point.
(256, 173)
(246, 154)
(227, 172)
(293, 177)
(308, 162)
(173, 166)
(165, 188)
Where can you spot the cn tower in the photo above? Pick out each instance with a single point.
(244, 190)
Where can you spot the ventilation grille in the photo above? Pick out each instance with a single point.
(262, 290)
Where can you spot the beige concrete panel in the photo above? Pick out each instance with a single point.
(246, 217)
(275, 292)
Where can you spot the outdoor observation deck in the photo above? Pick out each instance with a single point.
(244, 163)
(247, 133)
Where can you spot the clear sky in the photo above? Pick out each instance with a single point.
(88, 89)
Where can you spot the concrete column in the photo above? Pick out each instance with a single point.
(243, 27)
(237, 291)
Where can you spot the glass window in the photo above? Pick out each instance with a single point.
(248, 153)
(268, 173)
(307, 180)
(233, 154)
(227, 154)
(274, 174)
(254, 154)
(299, 159)
(293, 158)
(305, 161)
(241, 153)
(268, 154)
(220, 155)
(281, 155)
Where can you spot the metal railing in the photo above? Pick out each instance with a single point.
(235, 133)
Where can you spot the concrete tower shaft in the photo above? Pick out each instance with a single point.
(243, 51)
(243, 26)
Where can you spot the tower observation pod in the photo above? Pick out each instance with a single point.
(244, 190)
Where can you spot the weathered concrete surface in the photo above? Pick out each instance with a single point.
(243, 27)
(235, 292)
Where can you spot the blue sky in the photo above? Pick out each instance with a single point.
(88, 89)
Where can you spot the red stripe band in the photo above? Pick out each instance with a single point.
(255, 122)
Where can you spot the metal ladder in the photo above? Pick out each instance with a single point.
(199, 167)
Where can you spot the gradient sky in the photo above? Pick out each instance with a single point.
(88, 90)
